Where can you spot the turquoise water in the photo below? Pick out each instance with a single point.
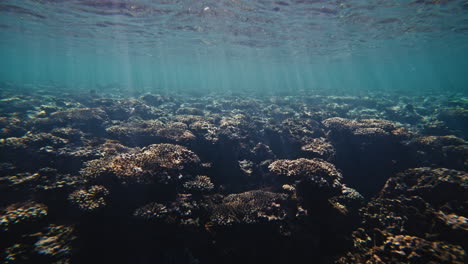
(233, 131)
(257, 46)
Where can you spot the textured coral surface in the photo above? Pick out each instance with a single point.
(164, 178)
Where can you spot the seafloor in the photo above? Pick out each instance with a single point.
(164, 178)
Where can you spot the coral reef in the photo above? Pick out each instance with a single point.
(415, 210)
(111, 178)
(11, 127)
(87, 119)
(443, 188)
(455, 118)
(440, 151)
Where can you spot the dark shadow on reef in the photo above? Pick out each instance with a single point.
(89, 178)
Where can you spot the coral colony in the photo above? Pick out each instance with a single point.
(233, 179)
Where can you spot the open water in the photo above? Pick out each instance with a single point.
(233, 131)
(234, 45)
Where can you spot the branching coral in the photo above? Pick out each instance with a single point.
(318, 171)
(18, 253)
(402, 249)
(301, 130)
(89, 199)
(348, 200)
(440, 151)
(409, 249)
(199, 184)
(155, 163)
(139, 132)
(183, 211)
(132, 131)
(442, 188)
(399, 216)
(152, 211)
(249, 207)
(11, 127)
(22, 212)
(87, 119)
(189, 111)
(206, 130)
(33, 141)
(363, 129)
(176, 132)
(319, 147)
(56, 242)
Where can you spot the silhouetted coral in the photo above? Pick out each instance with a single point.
(151, 211)
(56, 242)
(348, 200)
(18, 253)
(11, 127)
(183, 211)
(43, 179)
(16, 104)
(18, 179)
(443, 188)
(410, 215)
(249, 207)
(199, 184)
(368, 151)
(409, 249)
(20, 213)
(363, 129)
(293, 133)
(50, 179)
(88, 119)
(90, 199)
(455, 118)
(440, 151)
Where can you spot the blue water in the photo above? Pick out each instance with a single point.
(234, 45)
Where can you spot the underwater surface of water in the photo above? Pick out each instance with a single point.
(233, 131)
(236, 45)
